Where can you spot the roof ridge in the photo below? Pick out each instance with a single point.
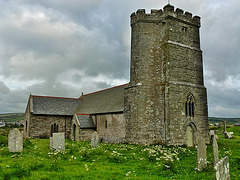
(104, 90)
(81, 114)
(55, 97)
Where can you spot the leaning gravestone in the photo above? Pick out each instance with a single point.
(58, 141)
(15, 140)
(201, 154)
(228, 135)
(222, 169)
(215, 149)
(94, 139)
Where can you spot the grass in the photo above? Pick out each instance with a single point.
(109, 161)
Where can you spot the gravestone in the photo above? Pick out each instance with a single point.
(58, 141)
(215, 149)
(228, 135)
(201, 154)
(15, 140)
(50, 142)
(94, 139)
(222, 169)
(212, 132)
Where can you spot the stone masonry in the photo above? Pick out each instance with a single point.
(166, 93)
(201, 154)
(15, 140)
(222, 169)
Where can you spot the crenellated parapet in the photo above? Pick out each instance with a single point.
(167, 13)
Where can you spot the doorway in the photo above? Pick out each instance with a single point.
(189, 133)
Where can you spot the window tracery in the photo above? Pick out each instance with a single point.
(189, 106)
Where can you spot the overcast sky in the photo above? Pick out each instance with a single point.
(63, 48)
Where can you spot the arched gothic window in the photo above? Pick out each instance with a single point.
(54, 128)
(189, 106)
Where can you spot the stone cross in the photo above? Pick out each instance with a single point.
(224, 126)
(222, 169)
(201, 154)
(94, 139)
(215, 149)
(225, 133)
(15, 140)
(58, 141)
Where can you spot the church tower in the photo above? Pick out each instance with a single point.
(166, 100)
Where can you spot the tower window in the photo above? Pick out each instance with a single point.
(189, 106)
(105, 124)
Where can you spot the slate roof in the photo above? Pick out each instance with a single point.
(54, 105)
(105, 101)
(85, 121)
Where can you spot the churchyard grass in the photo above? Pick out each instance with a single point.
(108, 161)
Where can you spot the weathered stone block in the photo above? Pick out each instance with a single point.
(222, 169)
(15, 140)
(58, 141)
(201, 154)
(94, 139)
(215, 149)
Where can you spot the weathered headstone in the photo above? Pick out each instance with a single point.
(201, 154)
(50, 142)
(212, 132)
(222, 169)
(215, 149)
(15, 140)
(94, 139)
(228, 135)
(58, 140)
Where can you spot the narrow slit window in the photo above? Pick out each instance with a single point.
(105, 124)
(192, 109)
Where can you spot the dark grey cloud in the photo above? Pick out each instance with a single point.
(63, 48)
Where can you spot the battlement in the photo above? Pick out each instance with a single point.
(161, 15)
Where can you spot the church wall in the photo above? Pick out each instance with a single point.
(177, 120)
(27, 121)
(40, 126)
(80, 134)
(111, 127)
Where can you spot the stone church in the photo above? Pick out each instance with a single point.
(165, 101)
